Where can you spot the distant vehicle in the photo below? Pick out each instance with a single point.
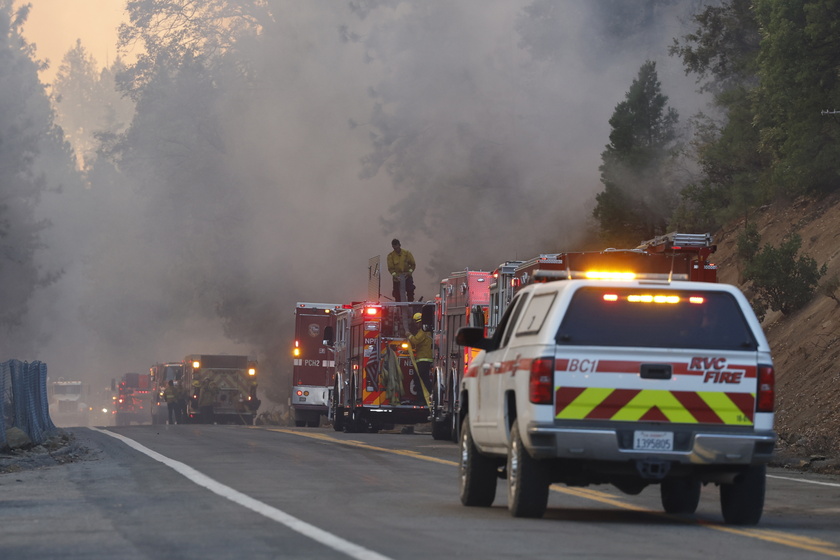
(133, 394)
(313, 364)
(68, 406)
(234, 380)
(101, 406)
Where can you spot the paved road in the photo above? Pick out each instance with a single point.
(237, 492)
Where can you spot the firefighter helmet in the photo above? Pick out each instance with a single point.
(418, 316)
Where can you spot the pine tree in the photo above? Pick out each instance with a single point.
(27, 137)
(637, 201)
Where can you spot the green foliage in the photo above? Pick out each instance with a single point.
(831, 288)
(782, 282)
(27, 144)
(772, 67)
(798, 70)
(723, 52)
(87, 103)
(637, 199)
(749, 242)
(620, 225)
(167, 33)
(723, 49)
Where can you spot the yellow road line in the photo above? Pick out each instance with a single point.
(819, 546)
(788, 539)
(363, 445)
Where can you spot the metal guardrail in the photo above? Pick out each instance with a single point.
(23, 400)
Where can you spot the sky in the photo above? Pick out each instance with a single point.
(54, 26)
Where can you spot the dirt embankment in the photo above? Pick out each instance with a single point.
(805, 344)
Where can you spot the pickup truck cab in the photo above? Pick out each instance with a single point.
(622, 382)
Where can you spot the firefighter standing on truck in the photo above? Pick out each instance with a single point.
(401, 265)
(422, 345)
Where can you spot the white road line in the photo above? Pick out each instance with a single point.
(834, 484)
(319, 535)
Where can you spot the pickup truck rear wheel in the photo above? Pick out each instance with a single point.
(527, 480)
(680, 495)
(477, 472)
(742, 502)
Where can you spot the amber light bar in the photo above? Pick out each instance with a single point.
(654, 298)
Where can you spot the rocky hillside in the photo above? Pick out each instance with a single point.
(805, 344)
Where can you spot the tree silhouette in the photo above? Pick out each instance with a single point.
(637, 201)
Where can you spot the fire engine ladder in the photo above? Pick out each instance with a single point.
(673, 240)
(404, 311)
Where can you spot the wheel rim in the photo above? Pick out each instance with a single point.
(513, 469)
(465, 454)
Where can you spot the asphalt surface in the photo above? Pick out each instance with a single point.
(238, 492)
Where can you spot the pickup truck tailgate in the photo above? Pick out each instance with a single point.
(684, 387)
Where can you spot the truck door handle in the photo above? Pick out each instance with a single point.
(655, 371)
(485, 368)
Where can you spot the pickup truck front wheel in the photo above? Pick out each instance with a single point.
(527, 480)
(477, 472)
(742, 502)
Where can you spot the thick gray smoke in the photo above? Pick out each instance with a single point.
(470, 130)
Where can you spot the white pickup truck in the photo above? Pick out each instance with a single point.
(622, 382)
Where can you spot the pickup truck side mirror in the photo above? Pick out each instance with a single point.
(473, 337)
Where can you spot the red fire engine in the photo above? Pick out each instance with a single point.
(463, 302)
(313, 370)
(501, 292)
(377, 384)
(132, 399)
(674, 256)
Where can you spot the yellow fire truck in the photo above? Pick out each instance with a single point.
(230, 380)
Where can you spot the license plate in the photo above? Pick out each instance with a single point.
(653, 441)
(301, 399)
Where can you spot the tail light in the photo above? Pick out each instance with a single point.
(541, 385)
(766, 389)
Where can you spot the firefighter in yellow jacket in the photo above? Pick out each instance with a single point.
(421, 342)
(170, 395)
(401, 265)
